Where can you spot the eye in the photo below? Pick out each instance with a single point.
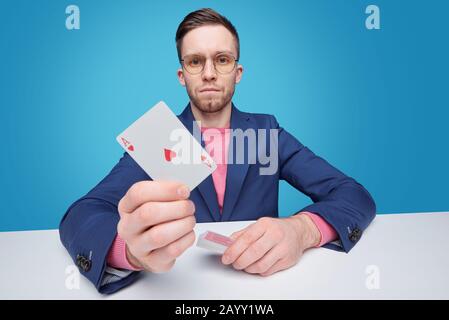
(195, 61)
(223, 59)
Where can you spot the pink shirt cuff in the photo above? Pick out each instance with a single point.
(327, 232)
(117, 255)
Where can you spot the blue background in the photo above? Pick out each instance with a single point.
(372, 102)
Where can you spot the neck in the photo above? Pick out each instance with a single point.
(219, 119)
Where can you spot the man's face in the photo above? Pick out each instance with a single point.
(207, 41)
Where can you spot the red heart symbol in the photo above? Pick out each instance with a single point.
(126, 142)
(205, 161)
(169, 154)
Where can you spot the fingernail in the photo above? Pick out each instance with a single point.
(183, 191)
(225, 259)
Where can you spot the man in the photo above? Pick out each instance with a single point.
(129, 223)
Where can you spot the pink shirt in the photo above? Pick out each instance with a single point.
(217, 143)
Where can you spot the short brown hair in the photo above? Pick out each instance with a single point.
(204, 17)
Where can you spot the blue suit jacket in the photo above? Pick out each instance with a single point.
(89, 226)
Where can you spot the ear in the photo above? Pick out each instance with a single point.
(181, 79)
(239, 73)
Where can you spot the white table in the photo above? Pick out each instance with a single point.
(408, 254)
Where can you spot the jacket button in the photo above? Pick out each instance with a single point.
(87, 265)
(83, 263)
(355, 235)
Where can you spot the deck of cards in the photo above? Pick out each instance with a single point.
(163, 147)
(213, 241)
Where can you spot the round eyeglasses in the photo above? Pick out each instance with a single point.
(223, 63)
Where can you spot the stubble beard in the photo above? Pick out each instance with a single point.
(210, 104)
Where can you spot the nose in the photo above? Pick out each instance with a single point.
(209, 72)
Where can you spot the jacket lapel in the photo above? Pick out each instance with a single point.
(236, 173)
(205, 188)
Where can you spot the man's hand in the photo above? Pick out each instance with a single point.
(156, 223)
(271, 244)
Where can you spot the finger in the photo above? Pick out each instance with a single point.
(253, 233)
(237, 234)
(255, 251)
(173, 250)
(161, 235)
(266, 262)
(278, 266)
(154, 213)
(146, 191)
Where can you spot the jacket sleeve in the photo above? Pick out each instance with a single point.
(89, 225)
(340, 200)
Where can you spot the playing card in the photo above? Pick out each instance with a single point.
(214, 241)
(165, 149)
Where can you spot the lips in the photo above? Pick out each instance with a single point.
(209, 90)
